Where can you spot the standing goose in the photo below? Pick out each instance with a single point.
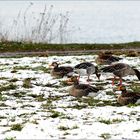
(79, 90)
(87, 68)
(60, 71)
(121, 70)
(127, 97)
(106, 58)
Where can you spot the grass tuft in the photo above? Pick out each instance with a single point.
(10, 138)
(27, 83)
(113, 121)
(63, 128)
(16, 127)
(136, 130)
(13, 80)
(8, 87)
(56, 114)
(105, 136)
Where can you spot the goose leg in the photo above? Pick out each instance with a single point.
(78, 78)
(120, 81)
(113, 79)
(89, 78)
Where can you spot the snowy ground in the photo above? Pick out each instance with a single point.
(37, 106)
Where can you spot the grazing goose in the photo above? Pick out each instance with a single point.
(127, 97)
(121, 70)
(87, 68)
(79, 90)
(106, 58)
(60, 71)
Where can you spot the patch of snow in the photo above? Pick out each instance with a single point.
(46, 111)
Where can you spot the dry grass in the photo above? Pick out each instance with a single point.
(44, 27)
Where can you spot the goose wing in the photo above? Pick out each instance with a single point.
(133, 94)
(132, 97)
(92, 89)
(83, 65)
(64, 70)
(114, 67)
(113, 59)
(87, 88)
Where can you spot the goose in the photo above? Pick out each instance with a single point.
(121, 70)
(106, 58)
(87, 68)
(79, 90)
(60, 71)
(127, 97)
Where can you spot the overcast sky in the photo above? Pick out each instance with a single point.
(90, 21)
(69, 0)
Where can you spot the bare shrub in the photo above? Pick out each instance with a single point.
(46, 27)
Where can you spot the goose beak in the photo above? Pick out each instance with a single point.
(119, 87)
(50, 66)
(68, 80)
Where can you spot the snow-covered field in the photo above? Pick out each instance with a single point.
(34, 105)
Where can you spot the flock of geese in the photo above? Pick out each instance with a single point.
(86, 68)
